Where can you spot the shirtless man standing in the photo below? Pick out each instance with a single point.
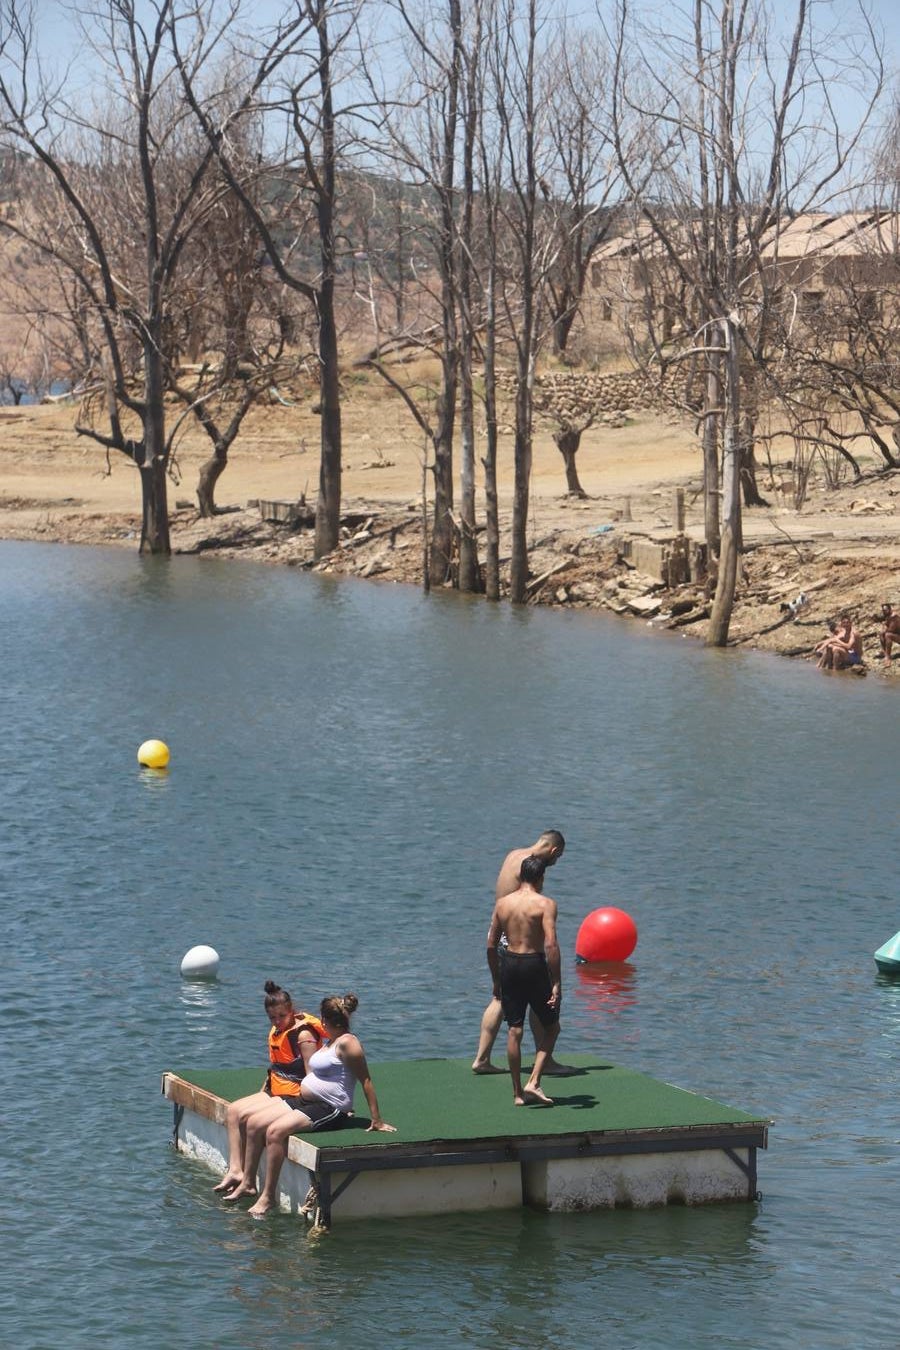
(526, 974)
(549, 847)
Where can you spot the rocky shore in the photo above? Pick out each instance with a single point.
(841, 551)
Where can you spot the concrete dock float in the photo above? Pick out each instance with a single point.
(614, 1137)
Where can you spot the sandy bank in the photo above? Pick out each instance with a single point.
(841, 550)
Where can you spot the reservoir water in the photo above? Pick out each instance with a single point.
(349, 764)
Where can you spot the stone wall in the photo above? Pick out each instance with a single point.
(576, 398)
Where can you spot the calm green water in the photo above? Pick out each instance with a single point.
(349, 764)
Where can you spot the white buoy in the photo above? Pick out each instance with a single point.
(200, 963)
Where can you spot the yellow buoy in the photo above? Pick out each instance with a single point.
(153, 754)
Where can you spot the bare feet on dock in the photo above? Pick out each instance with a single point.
(557, 1070)
(239, 1193)
(229, 1181)
(260, 1209)
(535, 1097)
(486, 1067)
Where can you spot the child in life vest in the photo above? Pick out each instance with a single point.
(293, 1039)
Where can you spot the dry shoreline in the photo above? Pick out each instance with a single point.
(842, 550)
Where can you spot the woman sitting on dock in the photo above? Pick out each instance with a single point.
(326, 1096)
(293, 1038)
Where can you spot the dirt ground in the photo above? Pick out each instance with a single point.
(840, 551)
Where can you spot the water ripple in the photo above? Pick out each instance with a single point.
(349, 764)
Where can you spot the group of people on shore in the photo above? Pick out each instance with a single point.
(315, 1062)
(843, 647)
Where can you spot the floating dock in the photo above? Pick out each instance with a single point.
(613, 1138)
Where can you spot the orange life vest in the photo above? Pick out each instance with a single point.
(286, 1067)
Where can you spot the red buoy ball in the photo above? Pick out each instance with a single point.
(606, 935)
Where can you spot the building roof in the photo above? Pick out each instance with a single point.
(846, 234)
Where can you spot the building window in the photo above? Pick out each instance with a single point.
(606, 310)
(812, 301)
(868, 305)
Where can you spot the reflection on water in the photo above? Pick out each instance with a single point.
(200, 999)
(888, 990)
(153, 779)
(606, 986)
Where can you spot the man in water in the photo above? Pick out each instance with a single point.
(549, 847)
(526, 974)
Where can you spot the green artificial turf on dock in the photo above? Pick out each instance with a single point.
(442, 1099)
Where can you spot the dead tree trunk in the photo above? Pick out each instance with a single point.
(153, 452)
(491, 504)
(154, 509)
(567, 442)
(210, 473)
(731, 544)
(711, 420)
(328, 504)
(749, 485)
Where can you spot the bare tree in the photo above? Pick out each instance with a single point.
(722, 111)
(838, 376)
(571, 408)
(289, 78)
(837, 330)
(582, 175)
(490, 187)
(119, 187)
(420, 115)
(229, 324)
(525, 233)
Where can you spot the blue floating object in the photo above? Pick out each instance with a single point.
(887, 958)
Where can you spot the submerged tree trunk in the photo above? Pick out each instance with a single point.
(491, 507)
(328, 503)
(154, 509)
(526, 336)
(518, 572)
(711, 421)
(731, 542)
(443, 529)
(469, 579)
(151, 456)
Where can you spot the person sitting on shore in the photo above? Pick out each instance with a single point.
(890, 631)
(293, 1038)
(844, 648)
(325, 1100)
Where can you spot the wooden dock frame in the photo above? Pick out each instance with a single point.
(372, 1175)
